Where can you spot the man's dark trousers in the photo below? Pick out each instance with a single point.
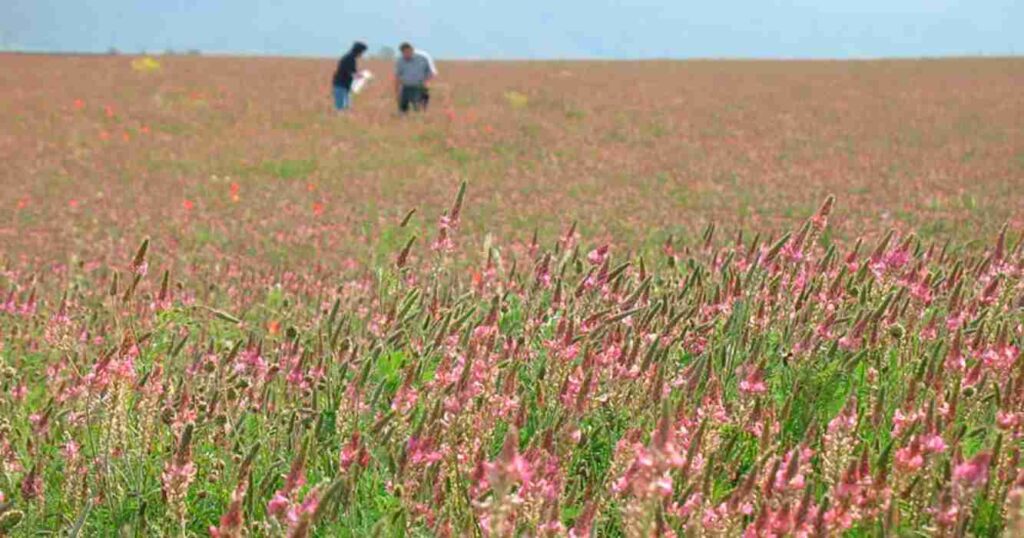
(414, 97)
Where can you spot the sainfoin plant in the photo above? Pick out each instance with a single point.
(755, 386)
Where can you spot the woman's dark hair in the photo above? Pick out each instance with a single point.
(405, 46)
(359, 47)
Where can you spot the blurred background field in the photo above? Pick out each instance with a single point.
(243, 157)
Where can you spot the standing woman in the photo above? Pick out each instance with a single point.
(345, 74)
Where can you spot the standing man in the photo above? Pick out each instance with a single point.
(412, 72)
(345, 74)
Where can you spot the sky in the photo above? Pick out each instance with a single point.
(524, 29)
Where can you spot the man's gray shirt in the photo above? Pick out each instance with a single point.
(414, 71)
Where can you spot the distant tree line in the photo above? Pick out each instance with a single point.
(385, 53)
(114, 51)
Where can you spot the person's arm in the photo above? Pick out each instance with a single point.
(433, 67)
(430, 72)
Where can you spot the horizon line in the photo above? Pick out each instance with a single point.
(302, 56)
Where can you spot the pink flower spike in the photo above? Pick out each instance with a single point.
(754, 382)
(973, 472)
(934, 444)
(278, 505)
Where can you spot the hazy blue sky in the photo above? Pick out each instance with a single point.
(525, 28)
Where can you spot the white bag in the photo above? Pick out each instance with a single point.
(361, 80)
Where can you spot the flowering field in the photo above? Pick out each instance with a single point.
(584, 299)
